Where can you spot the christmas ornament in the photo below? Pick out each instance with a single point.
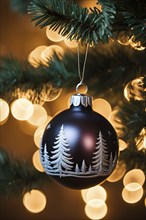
(79, 147)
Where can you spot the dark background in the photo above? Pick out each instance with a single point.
(18, 38)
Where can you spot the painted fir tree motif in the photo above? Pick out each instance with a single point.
(100, 158)
(61, 158)
(61, 164)
(47, 163)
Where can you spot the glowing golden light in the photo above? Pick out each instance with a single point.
(133, 186)
(53, 35)
(4, 111)
(142, 144)
(34, 58)
(48, 52)
(116, 123)
(70, 43)
(102, 107)
(39, 132)
(136, 44)
(83, 194)
(134, 176)
(35, 201)
(97, 192)
(118, 173)
(96, 209)
(22, 109)
(39, 116)
(145, 202)
(52, 94)
(122, 145)
(89, 4)
(132, 196)
(36, 161)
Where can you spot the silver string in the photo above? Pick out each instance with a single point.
(81, 76)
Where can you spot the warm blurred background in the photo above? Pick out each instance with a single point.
(19, 38)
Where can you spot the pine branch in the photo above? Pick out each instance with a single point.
(17, 177)
(133, 158)
(19, 6)
(132, 116)
(73, 21)
(104, 80)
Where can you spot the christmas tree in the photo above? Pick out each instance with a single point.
(115, 30)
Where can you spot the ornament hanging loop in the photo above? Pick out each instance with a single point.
(82, 87)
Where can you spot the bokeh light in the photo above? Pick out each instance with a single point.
(48, 52)
(97, 192)
(83, 194)
(116, 123)
(34, 58)
(96, 209)
(22, 109)
(70, 43)
(132, 196)
(36, 161)
(133, 186)
(35, 201)
(118, 172)
(102, 107)
(39, 132)
(53, 35)
(122, 145)
(134, 176)
(4, 111)
(39, 116)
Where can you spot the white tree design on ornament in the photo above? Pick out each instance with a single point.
(47, 163)
(61, 164)
(61, 158)
(100, 160)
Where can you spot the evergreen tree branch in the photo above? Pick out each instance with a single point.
(132, 117)
(73, 21)
(59, 73)
(17, 177)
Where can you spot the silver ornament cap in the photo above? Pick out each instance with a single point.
(81, 99)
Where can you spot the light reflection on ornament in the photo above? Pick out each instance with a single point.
(122, 145)
(145, 202)
(70, 43)
(97, 192)
(4, 111)
(48, 52)
(132, 196)
(53, 35)
(39, 116)
(22, 109)
(134, 176)
(35, 201)
(135, 90)
(88, 142)
(96, 209)
(102, 107)
(71, 134)
(39, 132)
(34, 58)
(36, 161)
(118, 173)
